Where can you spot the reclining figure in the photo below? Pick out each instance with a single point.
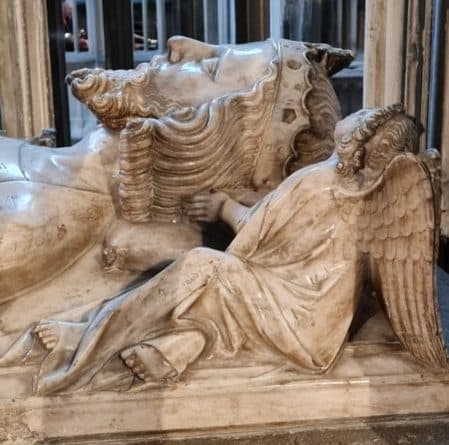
(202, 117)
(286, 289)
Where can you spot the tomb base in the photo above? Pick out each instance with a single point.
(370, 380)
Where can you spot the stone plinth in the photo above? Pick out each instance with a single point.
(370, 380)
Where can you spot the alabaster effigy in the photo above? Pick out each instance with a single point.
(79, 224)
(324, 305)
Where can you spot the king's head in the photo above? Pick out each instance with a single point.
(241, 115)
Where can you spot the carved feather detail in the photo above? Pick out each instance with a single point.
(397, 229)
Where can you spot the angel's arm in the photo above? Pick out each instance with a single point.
(234, 214)
(211, 206)
(248, 197)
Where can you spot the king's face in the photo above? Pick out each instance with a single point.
(191, 73)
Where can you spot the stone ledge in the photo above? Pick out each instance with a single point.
(198, 406)
(405, 430)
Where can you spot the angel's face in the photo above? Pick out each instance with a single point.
(350, 152)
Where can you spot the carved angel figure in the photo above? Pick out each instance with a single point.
(287, 287)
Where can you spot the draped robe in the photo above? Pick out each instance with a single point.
(285, 287)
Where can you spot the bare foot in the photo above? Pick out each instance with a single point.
(52, 332)
(48, 333)
(147, 363)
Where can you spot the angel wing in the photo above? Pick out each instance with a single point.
(398, 228)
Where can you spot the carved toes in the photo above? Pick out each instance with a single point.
(139, 370)
(50, 344)
(133, 362)
(49, 341)
(48, 334)
(129, 357)
(129, 362)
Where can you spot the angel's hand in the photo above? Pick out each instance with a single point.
(205, 206)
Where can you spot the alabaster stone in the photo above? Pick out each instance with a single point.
(201, 117)
(368, 381)
(80, 224)
(286, 289)
(329, 220)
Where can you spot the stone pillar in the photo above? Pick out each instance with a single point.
(397, 69)
(25, 77)
(445, 135)
(397, 55)
(374, 53)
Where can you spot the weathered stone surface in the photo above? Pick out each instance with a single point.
(257, 335)
(369, 381)
(401, 430)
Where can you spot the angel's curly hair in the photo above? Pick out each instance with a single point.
(398, 135)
